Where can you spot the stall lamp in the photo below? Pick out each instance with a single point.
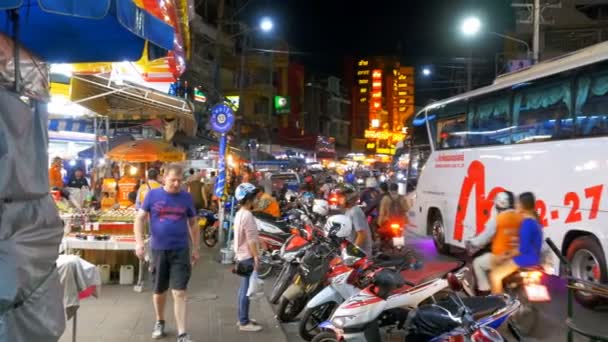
(102, 161)
(133, 171)
(72, 163)
(88, 162)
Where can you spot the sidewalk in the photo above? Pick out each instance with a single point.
(122, 315)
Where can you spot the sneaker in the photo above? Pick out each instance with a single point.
(250, 327)
(159, 330)
(252, 321)
(184, 338)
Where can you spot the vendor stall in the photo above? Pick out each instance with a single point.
(105, 236)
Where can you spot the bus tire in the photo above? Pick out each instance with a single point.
(587, 262)
(437, 230)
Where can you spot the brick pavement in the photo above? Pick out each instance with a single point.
(122, 315)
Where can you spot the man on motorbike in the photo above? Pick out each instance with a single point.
(530, 244)
(502, 230)
(266, 203)
(361, 234)
(393, 208)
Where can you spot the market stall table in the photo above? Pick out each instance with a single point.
(115, 243)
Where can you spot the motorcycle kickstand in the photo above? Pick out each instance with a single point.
(515, 331)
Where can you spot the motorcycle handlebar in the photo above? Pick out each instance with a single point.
(556, 251)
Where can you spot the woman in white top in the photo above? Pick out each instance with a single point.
(246, 250)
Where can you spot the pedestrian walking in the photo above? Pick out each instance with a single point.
(172, 224)
(246, 248)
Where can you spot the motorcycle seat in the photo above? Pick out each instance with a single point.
(430, 271)
(279, 223)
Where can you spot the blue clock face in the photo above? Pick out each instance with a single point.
(222, 118)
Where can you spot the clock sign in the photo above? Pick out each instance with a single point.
(222, 118)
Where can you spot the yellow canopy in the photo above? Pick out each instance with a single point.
(146, 151)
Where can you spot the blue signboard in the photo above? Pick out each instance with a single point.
(222, 118)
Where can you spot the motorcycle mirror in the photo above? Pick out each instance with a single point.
(454, 282)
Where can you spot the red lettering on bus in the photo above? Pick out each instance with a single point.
(475, 178)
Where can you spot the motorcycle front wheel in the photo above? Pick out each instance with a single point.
(288, 310)
(209, 235)
(326, 336)
(283, 280)
(265, 266)
(311, 318)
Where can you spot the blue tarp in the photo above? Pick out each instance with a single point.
(101, 147)
(72, 31)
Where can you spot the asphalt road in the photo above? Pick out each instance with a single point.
(551, 324)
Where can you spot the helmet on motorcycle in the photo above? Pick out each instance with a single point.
(245, 192)
(343, 194)
(320, 207)
(504, 200)
(371, 182)
(290, 195)
(338, 226)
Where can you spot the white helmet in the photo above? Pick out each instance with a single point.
(502, 201)
(371, 182)
(339, 226)
(245, 190)
(320, 207)
(290, 195)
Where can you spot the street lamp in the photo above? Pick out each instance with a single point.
(266, 24)
(470, 26)
(426, 72)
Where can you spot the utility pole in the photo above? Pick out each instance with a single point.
(271, 101)
(536, 37)
(470, 69)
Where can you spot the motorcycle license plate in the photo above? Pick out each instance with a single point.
(399, 241)
(537, 293)
(202, 222)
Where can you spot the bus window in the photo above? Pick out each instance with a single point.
(592, 105)
(451, 126)
(542, 113)
(489, 122)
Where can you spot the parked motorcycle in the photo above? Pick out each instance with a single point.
(310, 277)
(209, 224)
(455, 319)
(291, 253)
(392, 294)
(345, 280)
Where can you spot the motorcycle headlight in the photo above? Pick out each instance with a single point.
(341, 321)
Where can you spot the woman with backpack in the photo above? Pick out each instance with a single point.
(393, 209)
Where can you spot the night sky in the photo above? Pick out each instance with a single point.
(419, 31)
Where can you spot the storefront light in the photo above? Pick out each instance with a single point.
(133, 170)
(88, 162)
(101, 162)
(72, 162)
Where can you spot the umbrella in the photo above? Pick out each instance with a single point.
(146, 151)
(68, 31)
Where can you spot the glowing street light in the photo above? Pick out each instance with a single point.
(470, 26)
(426, 72)
(266, 24)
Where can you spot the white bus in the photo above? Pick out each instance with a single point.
(543, 129)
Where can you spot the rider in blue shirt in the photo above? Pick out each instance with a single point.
(530, 243)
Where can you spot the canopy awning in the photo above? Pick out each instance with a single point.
(68, 31)
(129, 101)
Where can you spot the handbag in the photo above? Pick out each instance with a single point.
(242, 269)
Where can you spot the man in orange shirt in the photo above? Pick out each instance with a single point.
(266, 203)
(503, 230)
(55, 178)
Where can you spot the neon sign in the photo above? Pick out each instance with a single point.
(384, 135)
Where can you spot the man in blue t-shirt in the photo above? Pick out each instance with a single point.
(172, 224)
